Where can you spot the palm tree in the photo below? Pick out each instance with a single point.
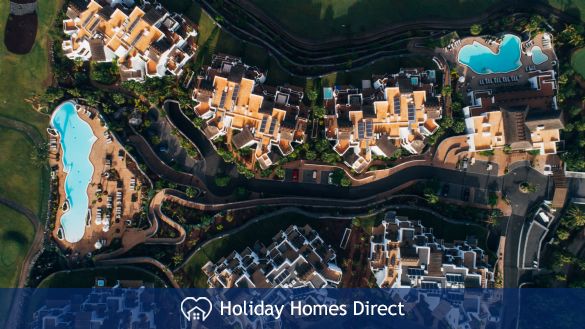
(577, 216)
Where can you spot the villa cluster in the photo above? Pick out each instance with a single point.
(297, 258)
(517, 109)
(387, 113)
(403, 253)
(390, 112)
(145, 41)
(236, 104)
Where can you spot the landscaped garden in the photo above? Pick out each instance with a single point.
(333, 18)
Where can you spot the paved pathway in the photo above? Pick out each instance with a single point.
(141, 260)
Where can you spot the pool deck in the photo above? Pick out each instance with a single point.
(127, 171)
(472, 79)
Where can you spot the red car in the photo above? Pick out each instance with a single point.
(295, 176)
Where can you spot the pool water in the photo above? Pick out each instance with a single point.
(77, 139)
(538, 56)
(482, 60)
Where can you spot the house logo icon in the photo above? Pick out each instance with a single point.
(197, 309)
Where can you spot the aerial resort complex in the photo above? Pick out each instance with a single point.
(209, 144)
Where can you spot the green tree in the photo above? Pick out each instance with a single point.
(310, 155)
(222, 181)
(322, 145)
(563, 234)
(330, 157)
(177, 259)
(475, 29)
(312, 95)
(432, 198)
(319, 112)
(345, 181)
(155, 140)
(446, 91)
(119, 98)
(576, 217)
(191, 192)
(447, 122)
(493, 199)
(459, 127)
(279, 172)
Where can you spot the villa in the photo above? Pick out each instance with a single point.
(235, 103)
(297, 258)
(510, 87)
(393, 111)
(523, 118)
(145, 42)
(403, 253)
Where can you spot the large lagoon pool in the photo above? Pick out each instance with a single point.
(482, 60)
(77, 139)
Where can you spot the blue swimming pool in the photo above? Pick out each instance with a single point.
(77, 139)
(483, 60)
(538, 56)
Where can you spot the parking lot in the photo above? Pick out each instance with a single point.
(307, 176)
(479, 167)
(464, 193)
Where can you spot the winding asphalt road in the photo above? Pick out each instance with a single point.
(288, 193)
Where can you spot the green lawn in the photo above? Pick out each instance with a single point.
(26, 76)
(572, 7)
(16, 233)
(23, 76)
(325, 18)
(85, 278)
(578, 61)
(20, 179)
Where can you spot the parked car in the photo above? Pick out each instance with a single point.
(464, 164)
(295, 175)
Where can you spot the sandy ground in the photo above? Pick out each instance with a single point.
(112, 175)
